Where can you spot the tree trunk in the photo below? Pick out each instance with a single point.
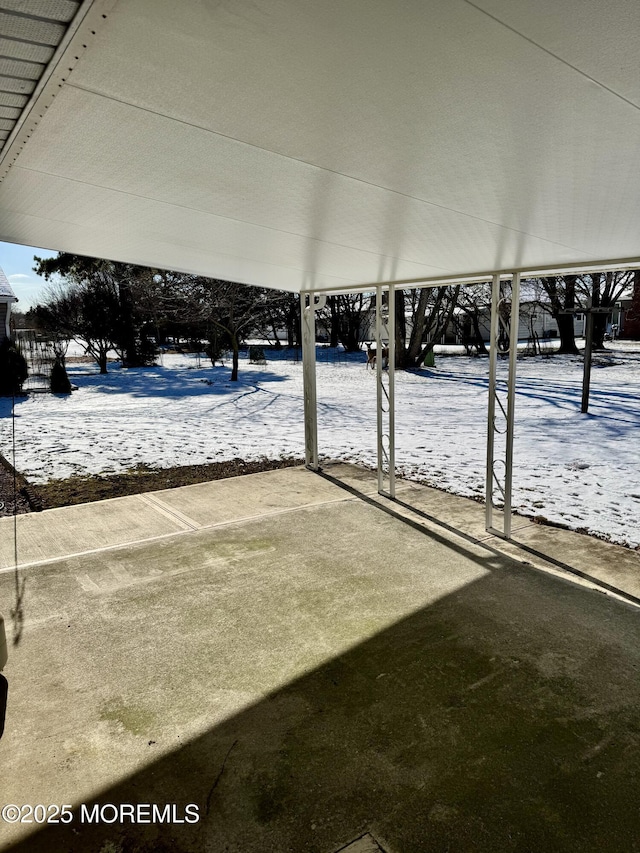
(346, 323)
(234, 363)
(599, 331)
(417, 333)
(478, 340)
(439, 326)
(567, 334)
(276, 340)
(334, 329)
(294, 331)
(99, 351)
(350, 333)
(599, 320)
(128, 332)
(566, 328)
(400, 331)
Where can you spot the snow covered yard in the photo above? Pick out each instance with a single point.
(579, 470)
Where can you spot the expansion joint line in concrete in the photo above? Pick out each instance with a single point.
(116, 546)
(169, 512)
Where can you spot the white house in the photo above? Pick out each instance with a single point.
(7, 298)
(535, 319)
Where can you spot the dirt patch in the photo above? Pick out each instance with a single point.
(77, 490)
(12, 484)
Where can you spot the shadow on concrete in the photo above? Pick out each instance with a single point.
(503, 717)
(472, 540)
(4, 695)
(526, 549)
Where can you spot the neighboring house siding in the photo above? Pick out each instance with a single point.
(630, 327)
(533, 318)
(4, 317)
(7, 298)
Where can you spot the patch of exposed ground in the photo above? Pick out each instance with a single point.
(97, 487)
(12, 484)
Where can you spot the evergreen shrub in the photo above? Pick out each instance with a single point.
(59, 381)
(13, 369)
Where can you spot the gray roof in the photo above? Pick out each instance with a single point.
(5, 288)
(30, 36)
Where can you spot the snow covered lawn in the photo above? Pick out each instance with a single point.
(580, 470)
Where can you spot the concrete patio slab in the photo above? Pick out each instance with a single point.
(227, 500)
(610, 564)
(318, 674)
(585, 558)
(365, 844)
(70, 530)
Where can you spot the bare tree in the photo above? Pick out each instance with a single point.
(87, 311)
(108, 305)
(428, 312)
(279, 313)
(95, 301)
(230, 311)
(473, 303)
(603, 290)
(561, 294)
(346, 319)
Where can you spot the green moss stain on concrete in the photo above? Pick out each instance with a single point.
(132, 718)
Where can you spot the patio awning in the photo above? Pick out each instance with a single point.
(325, 145)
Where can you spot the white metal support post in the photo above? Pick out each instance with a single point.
(385, 383)
(491, 410)
(499, 476)
(309, 304)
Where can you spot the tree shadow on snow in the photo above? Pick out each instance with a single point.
(175, 384)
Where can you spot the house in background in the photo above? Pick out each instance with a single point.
(7, 298)
(630, 305)
(536, 320)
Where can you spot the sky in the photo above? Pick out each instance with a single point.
(17, 263)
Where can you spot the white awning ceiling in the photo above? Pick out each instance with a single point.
(325, 144)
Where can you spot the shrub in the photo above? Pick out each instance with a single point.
(147, 351)
(59, 381)
(13, 369)
(256, 355)
(217, 344)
